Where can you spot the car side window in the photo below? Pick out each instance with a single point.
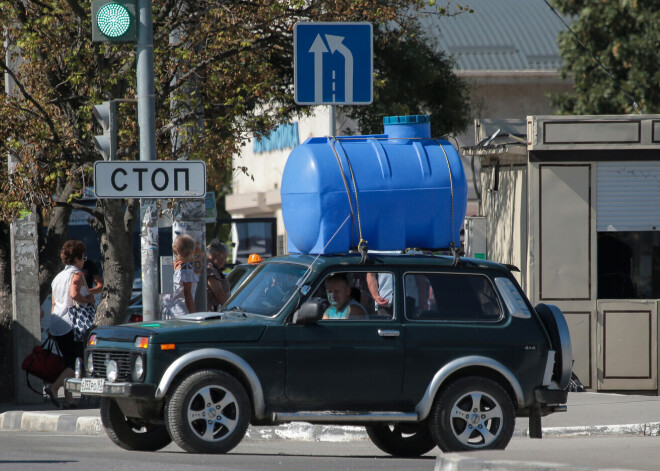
(349, 295)
(450, 297)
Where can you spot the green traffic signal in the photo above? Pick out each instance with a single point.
(114, 21)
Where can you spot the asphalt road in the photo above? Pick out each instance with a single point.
(20, 451)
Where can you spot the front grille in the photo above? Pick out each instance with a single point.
(101, 358)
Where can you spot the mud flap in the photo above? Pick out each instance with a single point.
(535, 422)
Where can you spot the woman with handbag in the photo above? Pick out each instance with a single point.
(70, 294)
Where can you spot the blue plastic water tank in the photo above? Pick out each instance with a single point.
(406, 185)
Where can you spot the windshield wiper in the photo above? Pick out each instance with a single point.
(235, 309)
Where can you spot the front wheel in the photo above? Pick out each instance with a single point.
(208, 412)
(129, 433)
(472, 413)
(406, 440)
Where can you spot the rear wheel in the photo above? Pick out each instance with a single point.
(402, 439)
(129, 433)
(208, 412)
(472, 413)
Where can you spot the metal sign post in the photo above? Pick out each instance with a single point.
(147, 124)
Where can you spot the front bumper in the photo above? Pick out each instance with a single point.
(116, 390)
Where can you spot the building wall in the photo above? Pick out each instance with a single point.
(513, 97)
(256, 192)
(504, 204)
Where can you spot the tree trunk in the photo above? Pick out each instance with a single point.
(6, 316)
(50, 245)
(115, 233)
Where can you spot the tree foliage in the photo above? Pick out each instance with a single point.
(412, 77)
(623, 35)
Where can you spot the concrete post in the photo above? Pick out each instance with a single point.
(25, 299)
(190, 218)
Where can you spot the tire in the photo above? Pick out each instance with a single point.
(472, 413)
(208, 412)
(405, 440)
(129, 434)
(557, 328)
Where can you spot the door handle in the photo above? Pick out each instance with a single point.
(388, 333)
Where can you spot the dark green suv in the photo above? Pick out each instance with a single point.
(431, 350)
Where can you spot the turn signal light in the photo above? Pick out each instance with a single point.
(142, 342)
(92, 340)
(168, 346)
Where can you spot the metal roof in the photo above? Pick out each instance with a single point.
(500, 35)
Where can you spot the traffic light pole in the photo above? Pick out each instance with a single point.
(147, 124)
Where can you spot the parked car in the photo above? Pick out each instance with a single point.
(459, 356)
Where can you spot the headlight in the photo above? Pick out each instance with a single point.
(90, 364)
(112, 371)
(138, 368)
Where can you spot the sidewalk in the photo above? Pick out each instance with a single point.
(588, 414)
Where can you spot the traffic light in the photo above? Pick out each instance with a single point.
(114, 21)
(106, 115)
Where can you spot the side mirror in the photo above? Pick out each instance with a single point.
(311, 311)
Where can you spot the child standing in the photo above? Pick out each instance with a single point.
(181, 301)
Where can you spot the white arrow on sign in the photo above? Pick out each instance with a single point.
(318, 49)
(336, 44)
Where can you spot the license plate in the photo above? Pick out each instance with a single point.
(92, 385)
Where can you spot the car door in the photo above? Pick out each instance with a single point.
(451, 315)
(345, 364)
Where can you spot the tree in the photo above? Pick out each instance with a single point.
(223, 71)
(412, 77)
(623, 36)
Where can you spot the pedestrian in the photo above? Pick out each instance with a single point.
(218, 288)
(93, 277)
(182, 300)
(68, 288)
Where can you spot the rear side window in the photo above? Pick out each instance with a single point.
(450, 297)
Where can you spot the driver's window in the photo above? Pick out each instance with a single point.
(349, 297)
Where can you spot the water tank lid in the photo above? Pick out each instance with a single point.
(411, 119)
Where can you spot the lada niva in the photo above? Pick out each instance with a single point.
(428, 351)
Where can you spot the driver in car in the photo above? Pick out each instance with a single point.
(342, 306)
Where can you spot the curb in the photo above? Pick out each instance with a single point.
(91, 425)
(459, 463)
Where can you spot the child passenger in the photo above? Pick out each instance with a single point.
(181, 301)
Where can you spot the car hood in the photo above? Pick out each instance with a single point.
(193, 328)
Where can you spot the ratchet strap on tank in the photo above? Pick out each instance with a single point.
(453, 248)
(362, 245)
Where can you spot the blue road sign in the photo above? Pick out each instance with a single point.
(333, 63)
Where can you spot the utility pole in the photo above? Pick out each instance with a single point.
(26, 329)
(147, 124)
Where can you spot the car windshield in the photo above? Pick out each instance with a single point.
(269, 289)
